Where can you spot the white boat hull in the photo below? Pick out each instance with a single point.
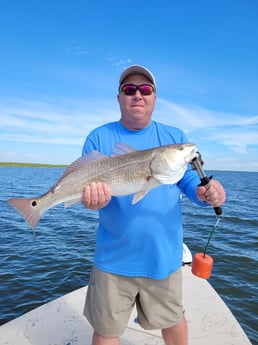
(61, 322)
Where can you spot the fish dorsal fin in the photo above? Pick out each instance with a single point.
(121, 149)
(92, 156)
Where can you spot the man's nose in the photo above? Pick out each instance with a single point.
(138, 94)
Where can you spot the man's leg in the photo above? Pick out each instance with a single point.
(100, 340)
(109, 302)
(176, 335)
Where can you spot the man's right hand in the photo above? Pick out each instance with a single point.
(96, 195)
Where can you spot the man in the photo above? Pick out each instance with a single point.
(138, 253)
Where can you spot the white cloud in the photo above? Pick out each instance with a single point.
(68, 121)
(234, 131)
(198, 117)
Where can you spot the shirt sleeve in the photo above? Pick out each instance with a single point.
(188, 185)
(89, 144)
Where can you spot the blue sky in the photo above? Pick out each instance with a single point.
(60, 62)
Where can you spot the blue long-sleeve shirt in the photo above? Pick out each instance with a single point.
(145, 239)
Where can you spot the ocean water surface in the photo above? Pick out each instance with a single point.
(60, 258)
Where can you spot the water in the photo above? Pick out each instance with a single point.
(60, 259)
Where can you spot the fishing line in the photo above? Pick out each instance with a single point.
(211, 234)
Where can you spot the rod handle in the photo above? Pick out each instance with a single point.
(205, 182)
(218, 210)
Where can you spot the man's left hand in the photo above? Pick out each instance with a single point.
(214, 193)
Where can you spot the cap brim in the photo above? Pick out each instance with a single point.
(137, 69)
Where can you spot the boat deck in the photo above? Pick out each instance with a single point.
(61, 322)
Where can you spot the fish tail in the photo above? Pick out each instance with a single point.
(28, 208)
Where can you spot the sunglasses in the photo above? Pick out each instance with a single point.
(130, 89)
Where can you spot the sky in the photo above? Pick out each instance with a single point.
(60, 62)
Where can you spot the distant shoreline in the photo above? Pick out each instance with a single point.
(31, 165)
(42, 165)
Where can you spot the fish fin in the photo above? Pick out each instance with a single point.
(78, 163)
(138, 196)
(27, 209)
(152, 183)
(121, 149)
(89, 157)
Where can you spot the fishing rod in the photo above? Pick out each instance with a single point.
(202, 263)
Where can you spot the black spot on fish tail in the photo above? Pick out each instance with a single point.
(34, 203)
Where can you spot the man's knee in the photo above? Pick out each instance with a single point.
(177, 334)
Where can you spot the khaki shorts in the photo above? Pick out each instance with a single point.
(111, 298)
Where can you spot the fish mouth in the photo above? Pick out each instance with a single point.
(191, 155)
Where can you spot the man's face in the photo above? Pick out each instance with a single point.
(136, 110)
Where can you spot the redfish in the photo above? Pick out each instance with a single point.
(127, 171)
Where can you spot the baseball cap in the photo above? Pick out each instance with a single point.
(137, 69)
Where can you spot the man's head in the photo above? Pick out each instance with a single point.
(137, 96)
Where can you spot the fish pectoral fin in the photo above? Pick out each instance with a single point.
(152, 183)
(138, 196)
